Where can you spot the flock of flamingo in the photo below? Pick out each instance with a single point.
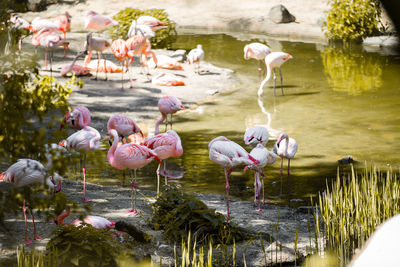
(125, 155)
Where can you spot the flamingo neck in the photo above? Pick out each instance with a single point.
(157, 129)
(60, 219)
(111, 151)
(80, 116)
(260, 90)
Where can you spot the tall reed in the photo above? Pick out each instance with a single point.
(354, 205)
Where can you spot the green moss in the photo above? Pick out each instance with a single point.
(164, 37)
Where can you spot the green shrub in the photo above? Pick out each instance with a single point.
(352, 20)
(164, 37)
(178, 213)
(85, 245)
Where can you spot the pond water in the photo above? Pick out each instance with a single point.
(337, 103)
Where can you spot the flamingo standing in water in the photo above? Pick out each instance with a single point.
(265, 157)
(85, 140)
(165, 145)
(230, 155)
(285, 147)
(196, 55)
(120, 52)
(272, 61)
(255, 135)
(124, 126)
(28, 172)
(257, 51)
(129, 156)
(78, 118)
(167, 105)
(98, 45)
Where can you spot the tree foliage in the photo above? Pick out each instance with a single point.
(164, 37)
(352, 20)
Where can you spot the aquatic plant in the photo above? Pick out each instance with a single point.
(164, 37)
(352, 20)
(177, 213)
(353, 206)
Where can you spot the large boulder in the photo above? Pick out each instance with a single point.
(39, 5)
(280, 14)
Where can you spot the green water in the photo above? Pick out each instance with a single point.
(337, 103)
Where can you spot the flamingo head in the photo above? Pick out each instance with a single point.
(60, 218)
(281, 137)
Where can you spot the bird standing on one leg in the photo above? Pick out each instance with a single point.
(257, 51)
(167, 105)
(272, 61)
(230, 155)
(285, 147)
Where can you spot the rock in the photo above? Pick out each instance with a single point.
(346, 160)
(279, 14)
(36, 5)
(381, 41)
(179, 55)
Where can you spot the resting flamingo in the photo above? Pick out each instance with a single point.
(85, 140)
(167, 105)
(98, 22)
(165, 145)
(285, 147)
(152, 22)
(77, 70)
(129, 156)
(27, 172)
(98, 45)
(196, 55)
(120, 52)
(265, 157)
(257, 51)
(167, 79)
(229, 154)
(78, 118)
(272, 61)
(95, 221)
(124, 126)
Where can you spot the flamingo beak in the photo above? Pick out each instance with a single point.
(183, 107)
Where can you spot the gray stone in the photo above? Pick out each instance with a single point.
(382, 41)
(280, 14)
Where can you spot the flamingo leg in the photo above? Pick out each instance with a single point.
(65, 48)
(84, 179)
(280, 74)
(281, 173)
(105, 64)
(133, 211)
(165, 172)
(97, 69)
(262, 184)
(171, 122)
(51, 66)
(158, 179)
(34, 227)
(26, 226)
(288, 168)
(258, 191)
(227, 192)
(274, 82)
(255, 188)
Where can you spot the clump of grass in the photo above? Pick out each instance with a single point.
(355, 205)
(177, 213)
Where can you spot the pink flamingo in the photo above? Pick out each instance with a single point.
(165, 145)
(28, 172)
(229, 154)
(274, 60)
(167, 79)
(124, 125)
(129, 156)
(64, 24)
(104, 65)
(120, 52)
(165, 62)
(98, 22)
(285, 147)
(154, 23)
(265, 157)
(20, 23)
(87, 139)
(257, 51)
(167, 105)
(79, 118)
(98, 45)
(95, 221)
(256, 135)
(196, 55)
(78, 70)
(50, 41)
